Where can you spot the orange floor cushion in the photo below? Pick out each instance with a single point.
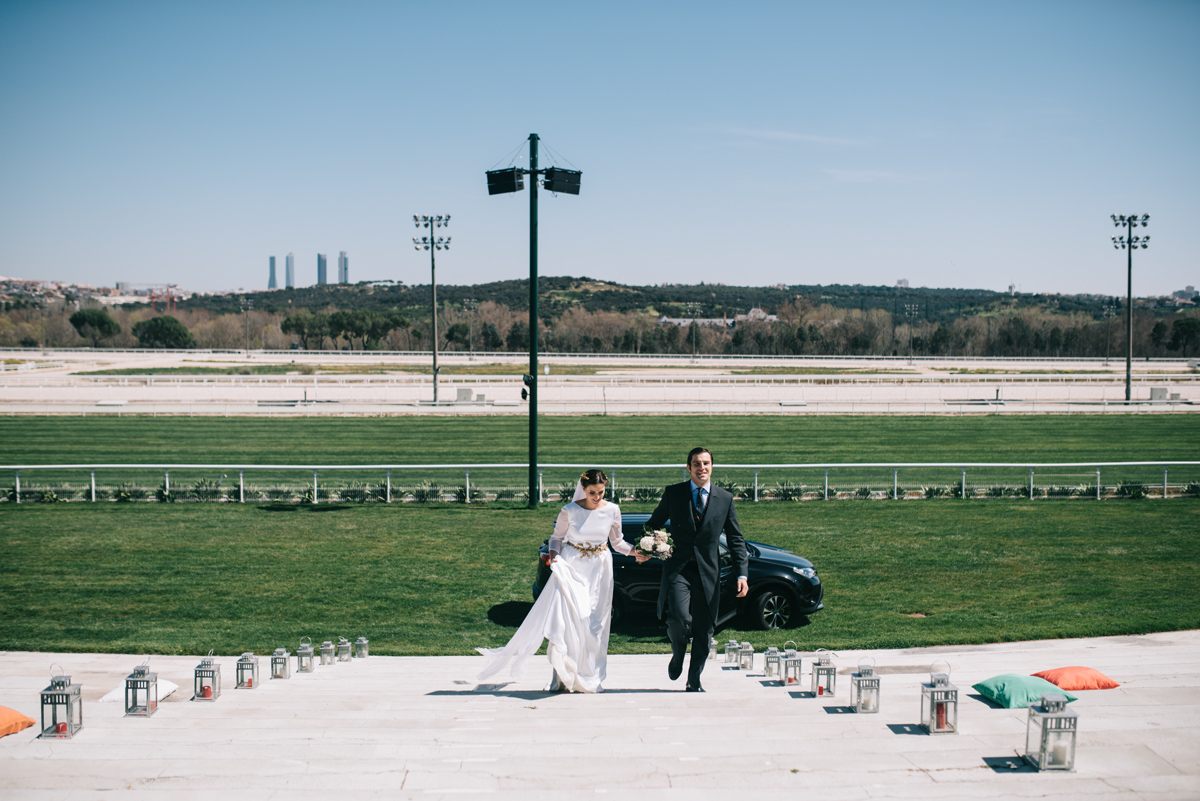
(1077, 678)
(12, 721)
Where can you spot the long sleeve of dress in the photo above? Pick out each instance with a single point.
(616, 539)
(560, 531)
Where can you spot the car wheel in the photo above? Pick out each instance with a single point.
(772, 609)
(618, 609)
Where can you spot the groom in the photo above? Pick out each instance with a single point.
(690, 588)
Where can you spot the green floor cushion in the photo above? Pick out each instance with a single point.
(1015, 691)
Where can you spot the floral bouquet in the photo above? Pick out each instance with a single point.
(657, 544)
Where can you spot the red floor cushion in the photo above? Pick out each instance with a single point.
(1077, 678)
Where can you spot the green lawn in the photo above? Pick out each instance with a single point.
(444, 579)
(601, 441)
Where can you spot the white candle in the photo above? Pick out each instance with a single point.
(1058, 754)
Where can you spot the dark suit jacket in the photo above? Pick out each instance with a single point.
(701, 542)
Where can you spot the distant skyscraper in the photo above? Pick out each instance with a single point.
(343, 268)
(290, 271)
(321, 268)
(271, 279)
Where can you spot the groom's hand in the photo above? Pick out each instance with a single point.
(743, 587)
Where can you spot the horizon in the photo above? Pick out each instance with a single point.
(931, 141)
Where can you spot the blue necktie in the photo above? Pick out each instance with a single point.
(700, 500)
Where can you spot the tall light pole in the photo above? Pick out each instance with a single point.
(694, 309)
(247, 305)
(1129, 242)
(433, 244)
(511, 179)
(910, 313)
(470, 304)
(1110, 311)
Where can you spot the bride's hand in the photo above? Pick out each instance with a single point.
(641, 557)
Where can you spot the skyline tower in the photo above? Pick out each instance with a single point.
(343, 268)
(321, 268)
(290, 271)
(271, 278)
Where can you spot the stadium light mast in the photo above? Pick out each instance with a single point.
(433, 244)
(508, 180)
(1129, 242)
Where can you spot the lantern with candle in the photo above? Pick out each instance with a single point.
(939, 704)
(206, 686)
(790, 666)
(247, 671)
(864, 688)
(824, 674)
(361, 648)
(304, 656)
(712, 647)
(343, 650)
(281, 664)
(772, 661)
(62, 704)
(731, 651)
(1050, 734)
(326, 653)
(746, 657)
(141, 692)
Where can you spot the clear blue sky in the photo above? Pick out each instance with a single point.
(951, 143)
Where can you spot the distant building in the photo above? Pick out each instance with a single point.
(902, 283)
(343, 268)
(321, 268)
(290, 272)
(271, 276)
(1187, 293)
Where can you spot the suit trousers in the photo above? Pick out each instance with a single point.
(688, 618)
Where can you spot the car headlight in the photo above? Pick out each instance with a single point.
(808, 572)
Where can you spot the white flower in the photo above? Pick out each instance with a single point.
(646, 543)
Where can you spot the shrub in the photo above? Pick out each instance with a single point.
(646, 494)
(787, 491)
(162, 495)
(460, 494)
(128, 493)
(1132, 490)
(1192, 488)
(426, 491)
(356, 492)
(206, 490)
(735, 489)
(566, 491)
(278, 493)
(863, 493)
(505, 494)
(935, 491)
(48, 495)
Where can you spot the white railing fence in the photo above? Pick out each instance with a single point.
(636, 482)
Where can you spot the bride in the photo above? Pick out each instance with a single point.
(574, 609)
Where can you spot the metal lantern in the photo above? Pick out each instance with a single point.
(361, 648)
(304, 656)
(746, 657)
(206, 686)
(1050, 736)
(772, 661)
(789, 668)
(281, 665)
(326, 653)
(343, 650)
(141, 692)
(939, 704)
(731, 651)
(712, 647)
(247, 671)
(824, 674)
(62, 703)
(864, 689)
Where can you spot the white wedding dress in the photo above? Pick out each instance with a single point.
(574, 609)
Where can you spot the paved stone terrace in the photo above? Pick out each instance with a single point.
(419, 727)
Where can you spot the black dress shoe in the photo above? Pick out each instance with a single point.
(694, 688)
(675, 669)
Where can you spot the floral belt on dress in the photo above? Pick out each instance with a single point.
(588, 551)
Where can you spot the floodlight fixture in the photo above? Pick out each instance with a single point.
(1130, 242)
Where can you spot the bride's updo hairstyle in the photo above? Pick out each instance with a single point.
(593, 476)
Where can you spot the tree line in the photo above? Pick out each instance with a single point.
(1016, 328)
